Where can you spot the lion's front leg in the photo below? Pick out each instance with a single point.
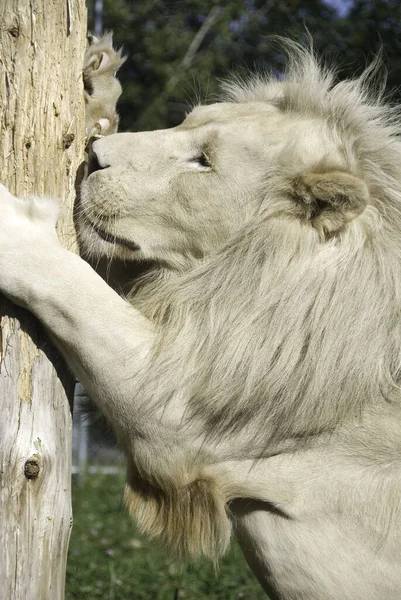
(104, 339)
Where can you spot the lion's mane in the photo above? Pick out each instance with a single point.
(284, 332)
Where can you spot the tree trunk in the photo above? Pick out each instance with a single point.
(42, 44)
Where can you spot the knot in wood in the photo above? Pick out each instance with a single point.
(68, 138)
(14, 31)
(32, 467)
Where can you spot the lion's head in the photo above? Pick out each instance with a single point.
(279, 213)
(176, 196)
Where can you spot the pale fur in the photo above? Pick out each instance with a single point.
(261, 392)
(289, 325)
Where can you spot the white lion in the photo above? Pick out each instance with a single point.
(253, 378)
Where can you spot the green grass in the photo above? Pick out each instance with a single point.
(108, 559)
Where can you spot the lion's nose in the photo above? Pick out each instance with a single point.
(93, 161)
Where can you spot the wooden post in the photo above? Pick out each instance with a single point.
(42, 45)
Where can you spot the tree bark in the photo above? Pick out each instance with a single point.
(42, 134)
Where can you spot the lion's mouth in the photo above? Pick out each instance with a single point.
(114, 239)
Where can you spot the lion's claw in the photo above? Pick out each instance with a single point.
(102, 89)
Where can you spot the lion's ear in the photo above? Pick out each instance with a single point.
(330, 199)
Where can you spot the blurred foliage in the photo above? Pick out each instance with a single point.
(161, 81)
(108, 559)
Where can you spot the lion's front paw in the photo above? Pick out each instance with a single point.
(41, 211)
(27, 238)
(102, 89)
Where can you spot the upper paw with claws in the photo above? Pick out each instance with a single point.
(102, 88)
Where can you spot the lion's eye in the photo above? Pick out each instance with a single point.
(201, 160)
(204, 160)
